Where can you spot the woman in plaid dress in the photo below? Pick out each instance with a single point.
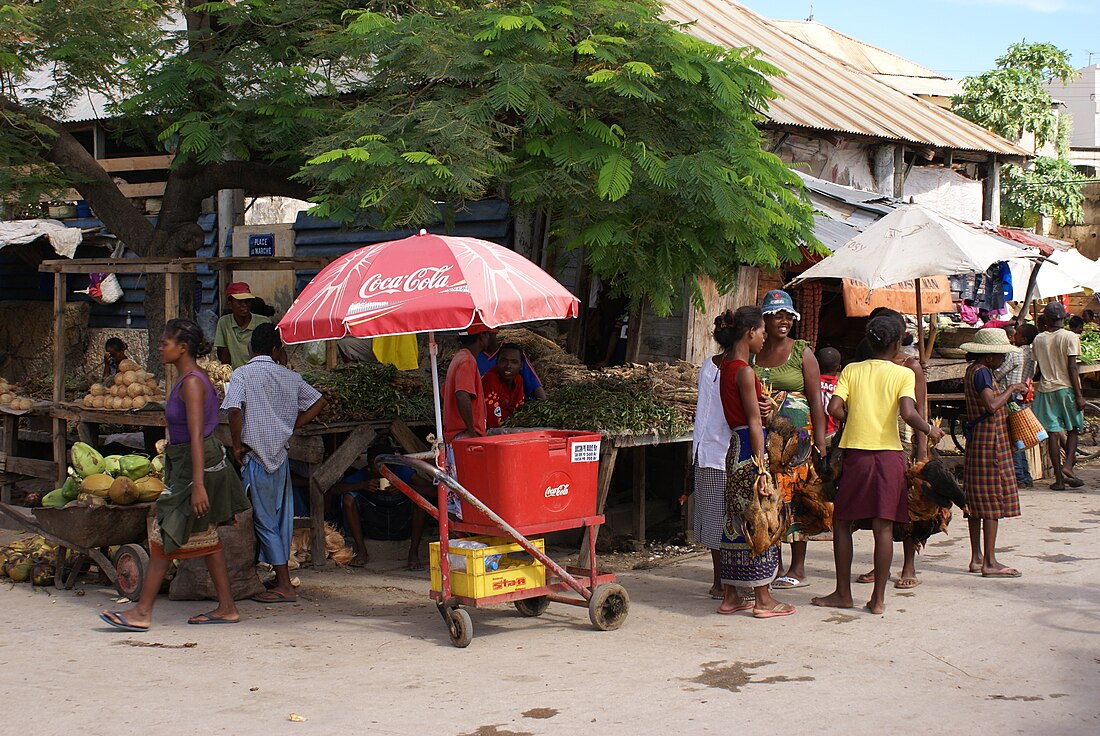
(989, 477)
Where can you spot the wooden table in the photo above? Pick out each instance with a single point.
(609, 453)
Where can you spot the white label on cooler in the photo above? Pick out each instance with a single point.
(586, 452)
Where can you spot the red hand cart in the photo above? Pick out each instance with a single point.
(512, 470)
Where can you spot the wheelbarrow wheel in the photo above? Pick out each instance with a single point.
(131, 561)
(608, 606)
(532, 607)
(460, 627)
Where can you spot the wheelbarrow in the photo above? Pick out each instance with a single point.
(83, 534)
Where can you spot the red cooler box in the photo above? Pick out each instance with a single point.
(538, 477)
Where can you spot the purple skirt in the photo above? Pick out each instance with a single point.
(872, 486)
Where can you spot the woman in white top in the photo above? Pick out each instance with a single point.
(711, 441)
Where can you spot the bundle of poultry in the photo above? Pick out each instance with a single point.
(766, 518)
(812, 509)
(931, 487)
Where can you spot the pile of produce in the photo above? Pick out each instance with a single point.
(603, 403)
(8, 397)
(1090, 344)
(219, 372)
(95, 480)
(31, 560)
(132, 388)
(365, 391)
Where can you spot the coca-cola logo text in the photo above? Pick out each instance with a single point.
(429, 278)
(562, 490)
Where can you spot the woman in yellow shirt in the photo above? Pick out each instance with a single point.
(868, 399)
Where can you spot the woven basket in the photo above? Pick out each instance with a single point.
(1024, 430)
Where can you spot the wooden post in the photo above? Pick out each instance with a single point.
(608, 455)
(60, 429)
(324, 476)
(991, 192)
(330, 354)
(899, 171)
(634, 332)
(639, 495)
(171, 311)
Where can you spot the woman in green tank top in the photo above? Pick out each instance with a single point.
(788, 366)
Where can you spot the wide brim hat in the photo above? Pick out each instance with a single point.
(989, 340)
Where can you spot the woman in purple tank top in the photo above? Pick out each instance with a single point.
(202, 490)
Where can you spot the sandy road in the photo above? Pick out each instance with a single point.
(364, 652)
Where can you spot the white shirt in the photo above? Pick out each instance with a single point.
(271, 397)
(711, 438)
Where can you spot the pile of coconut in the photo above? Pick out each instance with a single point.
(8, 397)
(132, 388)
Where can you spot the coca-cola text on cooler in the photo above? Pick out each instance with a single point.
(562, 490)
(428, 278)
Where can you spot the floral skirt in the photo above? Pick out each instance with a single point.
(738, 565)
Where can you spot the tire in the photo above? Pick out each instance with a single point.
(532, 607)
(1088, 443)
(608, 606)
(131, 561)
(460, 628)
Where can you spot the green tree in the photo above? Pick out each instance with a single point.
(234, 90)
(1012, 98)
(637, 141)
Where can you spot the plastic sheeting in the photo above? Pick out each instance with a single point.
(64, 240)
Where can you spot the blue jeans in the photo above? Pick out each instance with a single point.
(1023, 472)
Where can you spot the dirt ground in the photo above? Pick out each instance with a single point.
(364, 651)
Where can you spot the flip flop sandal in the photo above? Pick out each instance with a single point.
(788, 583)
(204, 618)
(907, 583)
(1009, 573)
(866, 578)
(774, 612)
(119, 621)
(1074, 482)
(271, 596)
(743, 607)
(1057, 487)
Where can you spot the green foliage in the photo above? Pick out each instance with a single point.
(1012, 97)
(603, 404)
(1052, 187)
(638, 140)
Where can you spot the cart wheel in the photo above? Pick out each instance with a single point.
(532, 607)
(608, 606)
(461, 628)
(131, 561)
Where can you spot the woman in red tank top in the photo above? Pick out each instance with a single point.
(741, 399)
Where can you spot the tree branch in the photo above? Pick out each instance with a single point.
(256, 178)
(90, 180)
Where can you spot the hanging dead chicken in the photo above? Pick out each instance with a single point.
(765, 518)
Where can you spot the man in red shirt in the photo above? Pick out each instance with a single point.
(503, 385)
(463, 397)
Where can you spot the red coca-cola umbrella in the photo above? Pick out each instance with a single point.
(424, 283)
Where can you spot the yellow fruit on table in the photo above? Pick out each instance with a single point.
(127, 365)
(135, 389)
(122, 491)
(148, 488)
(138, 402)
(97, 389)
(98, 402)
(88, 399)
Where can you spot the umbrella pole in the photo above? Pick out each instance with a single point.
(433, 352)
(920, 323)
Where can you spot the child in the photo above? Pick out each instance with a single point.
(828, 360)
(869, 397)
(1019, 367)
(114, 352)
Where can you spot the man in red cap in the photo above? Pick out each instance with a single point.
(234, 333)
(463, 396)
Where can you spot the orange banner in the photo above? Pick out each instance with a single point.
(935, 292)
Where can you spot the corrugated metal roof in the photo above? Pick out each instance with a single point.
(861, 55)
(821, 92)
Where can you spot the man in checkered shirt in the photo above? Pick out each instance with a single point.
(266, 403)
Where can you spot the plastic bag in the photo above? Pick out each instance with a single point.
(315, 353)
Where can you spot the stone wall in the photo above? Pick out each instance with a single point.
(26, 337)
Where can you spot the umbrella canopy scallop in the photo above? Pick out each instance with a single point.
(424, 283)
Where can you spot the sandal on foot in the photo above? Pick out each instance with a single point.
(1074, 482)
(118, 620)
(740, 607)
(906, 583)
(787, 582)
(867, 577)
(206, 618)
(779, 609)
(274, 596)
(1008, 572)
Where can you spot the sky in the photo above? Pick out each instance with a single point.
(954, 37)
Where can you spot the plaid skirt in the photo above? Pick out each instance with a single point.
(710, 506)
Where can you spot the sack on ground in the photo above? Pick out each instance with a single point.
(192, 582)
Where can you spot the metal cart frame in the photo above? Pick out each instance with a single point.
(607, 602)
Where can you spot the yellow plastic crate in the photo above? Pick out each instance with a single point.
(513, 573)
